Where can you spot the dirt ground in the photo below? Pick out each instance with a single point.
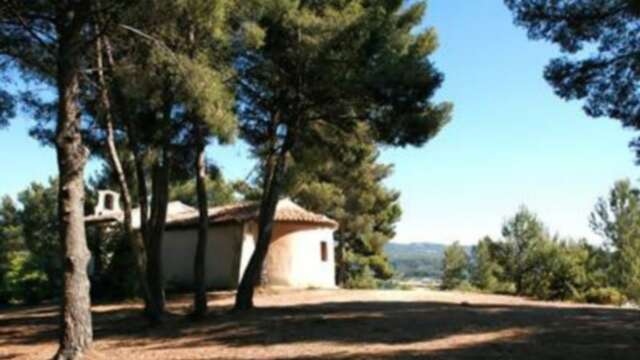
(341, 324)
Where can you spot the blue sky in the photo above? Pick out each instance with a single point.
(511, 140)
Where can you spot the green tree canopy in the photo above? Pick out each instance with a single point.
(529, 262)
(11, 240)
(617, 219)
(340, 176)
(170, 81)
(30, 250)
(454, 266)
(332, 63)
(486, 271)
(7, 108)
(523, 234)
(39, 220)
(219, 191)
(48, 41)
(602, 61)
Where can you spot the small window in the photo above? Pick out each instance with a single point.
(324, 255)
(108, 202)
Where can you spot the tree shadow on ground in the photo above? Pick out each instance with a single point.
(479, 331)
(395, 329)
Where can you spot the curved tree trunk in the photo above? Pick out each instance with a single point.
(136, 244)
(143, 235)
(268, 204)
(77, 334)
(200, 291)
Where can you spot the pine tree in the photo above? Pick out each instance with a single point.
(523, 234)
(348, 187)
(617, 219)
(47, 41)
(606, 76)
(338, 63)
(171, 90)
(10, 241)
(7, 103)
(454, 266)
(134, 251)
(486, 270)
(203, 32)
(38, 218)
(219, 191)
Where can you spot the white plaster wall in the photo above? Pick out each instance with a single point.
(222, 256)
(308, 269)
(294, 257)
(178, 250)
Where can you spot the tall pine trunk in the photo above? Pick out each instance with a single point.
(143, 203)
(154, 238)
(200, 291)
(135, 242)
(152, 216)
(76, 330)
(271, 193)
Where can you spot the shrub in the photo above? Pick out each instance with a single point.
(380, 266)
(365, 279)
(605, 296)
(25, 282)
(466, 286)
(504, 288)
(394, 285)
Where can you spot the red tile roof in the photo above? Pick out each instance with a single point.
(180, 215)
(286, 211)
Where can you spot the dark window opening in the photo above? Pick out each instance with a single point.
(324, 256)
(108, 202)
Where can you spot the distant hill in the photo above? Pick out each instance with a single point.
(417, 260)
(399, 249)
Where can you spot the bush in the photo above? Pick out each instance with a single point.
(466, 286)
(504, 288)
(605, 296)
(380, 266)
(394, 285)
(365, 279)
(25, 282)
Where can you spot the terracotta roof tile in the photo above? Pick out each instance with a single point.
(179, 215)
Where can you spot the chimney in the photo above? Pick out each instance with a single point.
(108, 203)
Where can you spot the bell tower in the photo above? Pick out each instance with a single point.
(108, 203)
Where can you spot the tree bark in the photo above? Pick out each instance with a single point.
(200, 291)
(155, 232)
(136, 244)
(150, 310)
(76, 329)
(268, 204)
